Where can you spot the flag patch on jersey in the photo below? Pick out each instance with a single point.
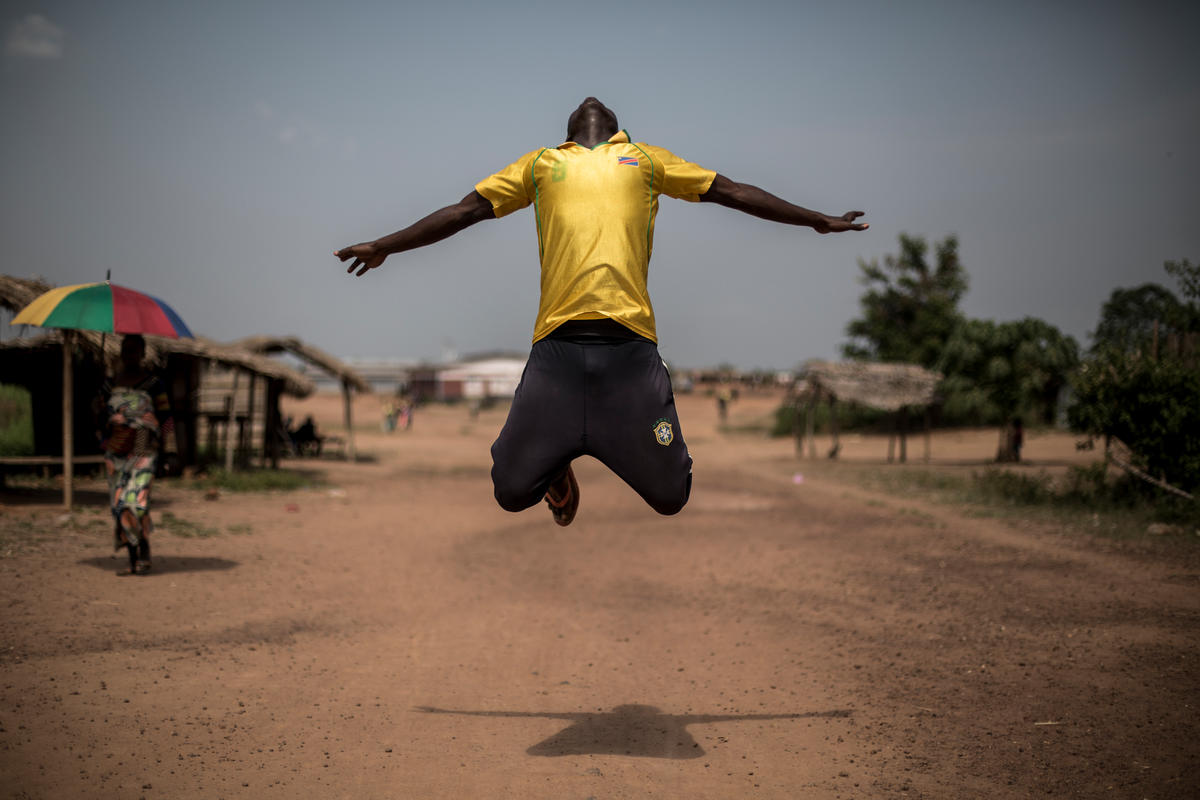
(628, 161)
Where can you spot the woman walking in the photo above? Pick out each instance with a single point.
(138, 415)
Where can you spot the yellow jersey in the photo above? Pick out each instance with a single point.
(595, 210)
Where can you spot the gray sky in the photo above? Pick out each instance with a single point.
(215, 154)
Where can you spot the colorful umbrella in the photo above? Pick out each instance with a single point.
(103, 307)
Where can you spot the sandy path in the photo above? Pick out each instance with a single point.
(393, 634)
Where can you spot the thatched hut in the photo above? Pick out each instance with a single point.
(898, 388)
(34, 362)
(349, 378)
(229, 418)
(184, 365)
(16, 293)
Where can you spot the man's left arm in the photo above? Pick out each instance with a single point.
(760, 203)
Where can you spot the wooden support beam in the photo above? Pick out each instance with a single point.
(248, 439)
(810, 425)
(928, 437)
(231, 415)
(68, 403)
(346, 404)
(836, 448)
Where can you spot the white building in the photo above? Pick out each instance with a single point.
(485, 378)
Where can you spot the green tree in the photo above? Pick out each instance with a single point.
(1132, 319)
(997, 371)
(910, 308)
(1147, 396)
(1152, 405)
(1188, 275)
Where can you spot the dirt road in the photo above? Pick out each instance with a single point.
(392, 633)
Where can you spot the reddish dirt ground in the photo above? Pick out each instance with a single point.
(393, 634)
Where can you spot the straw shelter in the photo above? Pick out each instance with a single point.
(183, 364)
(349, 378)
(227, 411)
(16, 293)
(898, 388)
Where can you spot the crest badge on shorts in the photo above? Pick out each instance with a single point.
(664, 434)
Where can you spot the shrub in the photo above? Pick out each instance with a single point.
(1153, 406)
(16, 421)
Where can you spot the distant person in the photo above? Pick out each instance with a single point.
(1018, 437)
(306, 438)
(404, 413)
(137, 417)
(390, 412)
(724, 398)
(594, 383)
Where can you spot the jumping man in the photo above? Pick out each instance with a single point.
(594, 383)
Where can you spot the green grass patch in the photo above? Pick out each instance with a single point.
(16, 421)
(1082, 499)
(258, 480)
(185, 528)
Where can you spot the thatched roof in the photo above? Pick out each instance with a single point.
(306, 352)
(888, 387)
(232, 355)
(159, 348)
(16, 293)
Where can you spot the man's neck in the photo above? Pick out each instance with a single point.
(589, 136)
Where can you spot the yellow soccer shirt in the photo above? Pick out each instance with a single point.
(595, 213)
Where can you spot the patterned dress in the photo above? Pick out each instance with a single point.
(137, 416)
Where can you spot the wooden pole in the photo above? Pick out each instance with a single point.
(892, 438)
(274, 425)
(797, 429)
(833, 422)
(229, 421)
(346, 403)
(810, 424)
(904, 434)
(928, 437)
(246, 456)
(68, 421)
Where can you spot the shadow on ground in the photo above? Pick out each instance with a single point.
(163, 564)
(630, 730)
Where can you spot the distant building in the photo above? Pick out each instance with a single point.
(483, 377)
(384, 375)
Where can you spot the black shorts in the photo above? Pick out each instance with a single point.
(600, 390)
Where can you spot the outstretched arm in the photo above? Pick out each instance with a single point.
(441, 224)
(753, 200)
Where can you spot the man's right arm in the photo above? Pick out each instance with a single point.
(441, 224)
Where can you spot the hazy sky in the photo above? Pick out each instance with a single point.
(215, 154)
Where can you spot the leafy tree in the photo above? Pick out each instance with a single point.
(1131, 318)
(910, 308)
(1147, 397)
(998, 371)
(1151, 405)
(1188, 275)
